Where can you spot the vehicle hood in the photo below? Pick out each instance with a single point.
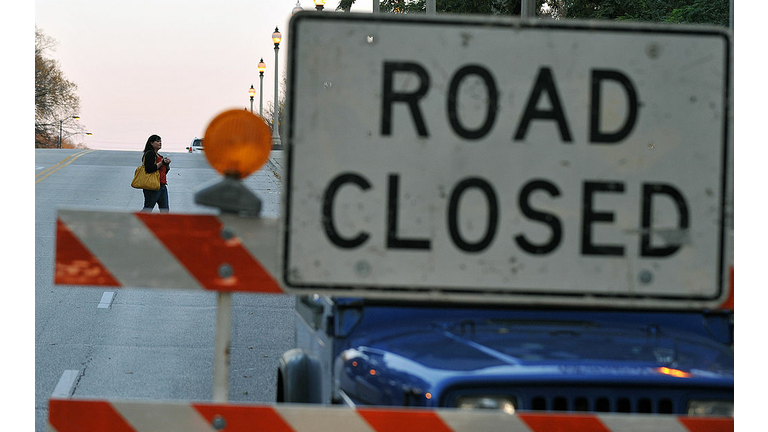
(578, 346)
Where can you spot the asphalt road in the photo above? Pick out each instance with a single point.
(142, 343)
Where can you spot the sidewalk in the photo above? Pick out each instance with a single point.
(275, 162)
(276, 158)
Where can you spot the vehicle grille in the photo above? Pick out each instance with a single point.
(601, 404)
(620, 399)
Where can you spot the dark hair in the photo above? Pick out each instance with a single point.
(150, 140)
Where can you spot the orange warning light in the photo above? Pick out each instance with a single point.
(677, 373)
(237, 143)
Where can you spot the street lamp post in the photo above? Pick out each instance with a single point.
(89, 134)
(276, 37)
(528, 9)
(319, 5)
(251, 93)
(262, 68)
(77, 118)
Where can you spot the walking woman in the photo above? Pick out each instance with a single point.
(153, 161)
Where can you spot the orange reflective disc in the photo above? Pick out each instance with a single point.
(237, 143)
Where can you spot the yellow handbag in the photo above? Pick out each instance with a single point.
(142, 180)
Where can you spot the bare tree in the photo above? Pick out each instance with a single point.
(673, 11)
(56, 100)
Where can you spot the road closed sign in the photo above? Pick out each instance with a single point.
(508, 161)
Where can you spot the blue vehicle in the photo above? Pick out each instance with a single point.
(369, 352)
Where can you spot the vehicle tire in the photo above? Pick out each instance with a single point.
(298, 378)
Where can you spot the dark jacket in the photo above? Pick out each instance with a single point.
(150, 164)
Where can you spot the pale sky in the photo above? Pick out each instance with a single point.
(166, 67)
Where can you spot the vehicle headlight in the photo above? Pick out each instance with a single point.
(503, 403)
(714, 408)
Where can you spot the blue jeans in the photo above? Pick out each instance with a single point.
(159, 197)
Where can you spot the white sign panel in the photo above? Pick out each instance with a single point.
(526, 162)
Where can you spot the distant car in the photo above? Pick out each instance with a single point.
(197, 146)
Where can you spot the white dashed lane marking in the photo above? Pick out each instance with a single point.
(66, 383)
(106, 300)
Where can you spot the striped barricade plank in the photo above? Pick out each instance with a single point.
(706, 425)
(571, 423)
(219, 253)
(392, 421)
(79, 415)
(239, 418)
(651, 423)
(85, 416)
